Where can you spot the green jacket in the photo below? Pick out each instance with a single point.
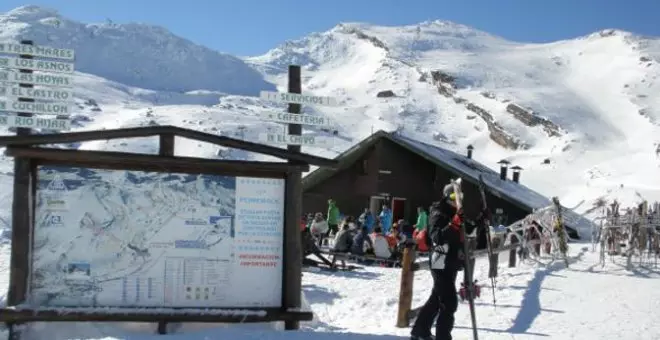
(422, 221)
(333, 213)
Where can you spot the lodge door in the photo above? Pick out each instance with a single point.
(398, 208)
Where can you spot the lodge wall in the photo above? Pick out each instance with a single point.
(350, 187)
(390, 168)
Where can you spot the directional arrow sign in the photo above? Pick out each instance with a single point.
(292, 118)
(36, 65)
(35, 108)
(57, 80)
(295, 98)
(290, 139)
(37, 51)
(35, 123)
(37, 94)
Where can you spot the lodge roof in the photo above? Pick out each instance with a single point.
(468, 169)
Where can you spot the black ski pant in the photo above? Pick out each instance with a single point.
(442, 304)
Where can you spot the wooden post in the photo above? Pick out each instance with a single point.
(165, 148)
(512, 252)
(494, 259)
(292, 271)
(21, 219)
(406, 287)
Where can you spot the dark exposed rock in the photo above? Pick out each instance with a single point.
(528, 118)
(442, 77)
(385, 94)
(361, 35)
(446, 90)
(497, 132)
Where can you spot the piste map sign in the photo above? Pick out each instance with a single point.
(131, 239)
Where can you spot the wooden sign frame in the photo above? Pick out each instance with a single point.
(28, 153)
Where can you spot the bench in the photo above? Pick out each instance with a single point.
(343, 257)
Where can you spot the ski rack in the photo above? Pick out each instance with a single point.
(636, 233)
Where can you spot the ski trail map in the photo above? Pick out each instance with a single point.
(109, 238)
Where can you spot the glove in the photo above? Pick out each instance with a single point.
(461, 255)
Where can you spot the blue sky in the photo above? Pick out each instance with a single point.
(252, 27)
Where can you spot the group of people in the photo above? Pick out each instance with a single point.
(367, 235)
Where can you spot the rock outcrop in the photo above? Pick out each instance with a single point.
(445, 85)
(529, 118)
(385, 94)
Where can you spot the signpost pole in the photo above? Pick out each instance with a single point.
(292, 281)
(20, 218)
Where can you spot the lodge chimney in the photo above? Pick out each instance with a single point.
(504, 165)
(469, 151)
(516, 173)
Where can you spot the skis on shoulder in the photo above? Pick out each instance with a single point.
(466, 251)
(492, 264)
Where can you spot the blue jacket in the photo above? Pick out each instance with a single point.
(386, 220)
(367, 220)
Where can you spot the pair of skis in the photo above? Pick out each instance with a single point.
(469, 281)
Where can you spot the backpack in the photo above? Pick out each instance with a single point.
(439, 217)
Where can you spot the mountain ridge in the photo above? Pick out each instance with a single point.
(582, 108)
(137, 55)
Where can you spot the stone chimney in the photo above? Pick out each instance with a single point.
(469, 151)
(504, 165)
(516, 173)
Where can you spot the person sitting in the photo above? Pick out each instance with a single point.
(319, 228)
(350, 222)
(405, 228)
(362, 243)
(381, 244)
(397, 241)
(343, 240)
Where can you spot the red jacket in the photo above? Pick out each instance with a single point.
(456, 223)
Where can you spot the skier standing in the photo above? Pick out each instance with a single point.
(366, 219)
(447, 258)
(386, 219)
(422, 219)
(333, 218)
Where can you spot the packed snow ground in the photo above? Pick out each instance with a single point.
(536, 300)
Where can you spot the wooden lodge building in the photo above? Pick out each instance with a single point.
(405, 173)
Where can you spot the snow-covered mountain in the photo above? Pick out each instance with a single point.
(594, 99)
(580, 116)
(137, 55)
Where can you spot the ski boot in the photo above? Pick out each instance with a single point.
(462, 292)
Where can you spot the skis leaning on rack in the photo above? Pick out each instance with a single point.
(489, 243)
(560, 229)
(469, 284)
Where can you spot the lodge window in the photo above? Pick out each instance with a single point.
(363, 167)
